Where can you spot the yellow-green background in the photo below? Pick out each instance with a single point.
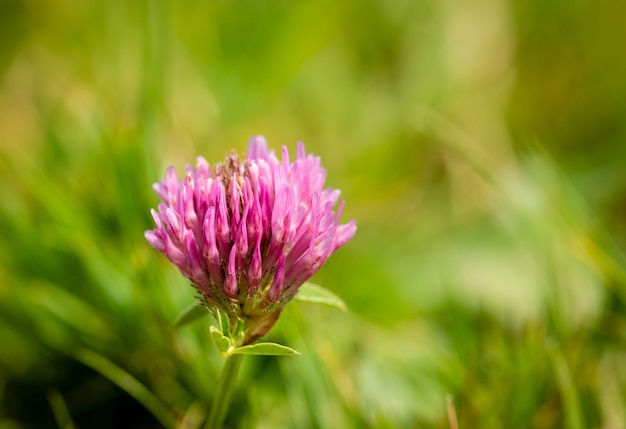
(479, 144)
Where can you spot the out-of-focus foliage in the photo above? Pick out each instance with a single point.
(480, 145)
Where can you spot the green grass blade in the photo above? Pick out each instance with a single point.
(194, 416)
(567, 387)
(190, 314)
(60, 410)
(130, 384)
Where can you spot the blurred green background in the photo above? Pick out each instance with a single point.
(480, 146)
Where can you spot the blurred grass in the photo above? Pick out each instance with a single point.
(479, 146)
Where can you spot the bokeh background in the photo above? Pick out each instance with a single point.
(480, 146)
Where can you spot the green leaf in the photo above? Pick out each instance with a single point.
(190, 314)
(267, 349)
(310, 292)
(221, 341)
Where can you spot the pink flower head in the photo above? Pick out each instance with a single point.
(249, 233)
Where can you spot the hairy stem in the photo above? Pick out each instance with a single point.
(225, 387)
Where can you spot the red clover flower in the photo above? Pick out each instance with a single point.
(249, 233)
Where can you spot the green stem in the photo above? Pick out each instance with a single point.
(225, 387)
